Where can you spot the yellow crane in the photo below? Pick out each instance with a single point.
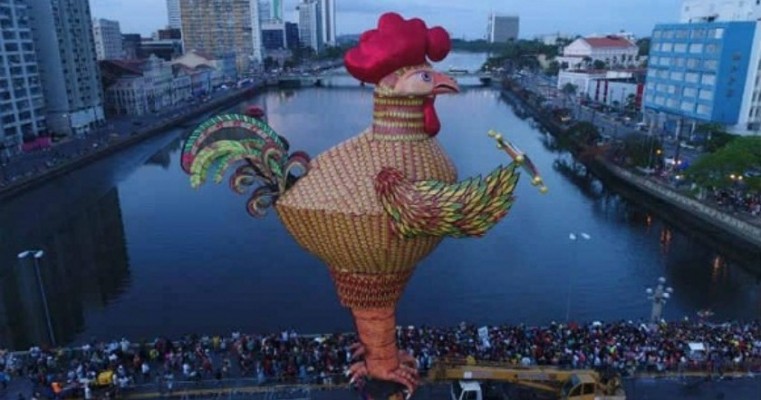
(468, 377)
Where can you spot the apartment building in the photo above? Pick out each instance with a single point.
(219, 27)
(22, 106)
(64, 44)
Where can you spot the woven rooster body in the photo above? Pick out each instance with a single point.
(375, 205)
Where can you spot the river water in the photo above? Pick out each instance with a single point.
(131, 250)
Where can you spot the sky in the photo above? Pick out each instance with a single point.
(462, 18)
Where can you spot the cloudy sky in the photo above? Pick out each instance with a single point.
(464, 18)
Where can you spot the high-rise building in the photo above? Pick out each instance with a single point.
(218, 27)
(63, 40)
(310, 25)
(327, 11)
(22, 104)
(271, 11)
(173, 12)
(108, 39)
(719, 10)
(502, 28)
(132, 45)
(292, 35)
(273, 35)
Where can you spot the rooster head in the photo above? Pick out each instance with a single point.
(395, 56)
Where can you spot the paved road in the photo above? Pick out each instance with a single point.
(29, 164)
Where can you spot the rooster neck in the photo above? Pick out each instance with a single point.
(399, 118)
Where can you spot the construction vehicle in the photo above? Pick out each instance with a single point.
(470, 380)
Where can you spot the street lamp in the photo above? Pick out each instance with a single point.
(573, 237)
(658, 296)
(37, 255)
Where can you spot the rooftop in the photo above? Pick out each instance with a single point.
(609, 42)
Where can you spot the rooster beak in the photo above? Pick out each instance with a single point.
(443, 83)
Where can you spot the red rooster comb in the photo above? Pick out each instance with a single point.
(396, 43)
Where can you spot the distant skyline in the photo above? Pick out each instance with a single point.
(463, 18)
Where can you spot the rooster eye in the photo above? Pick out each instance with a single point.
(426, 76)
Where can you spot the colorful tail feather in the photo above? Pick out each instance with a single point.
(263, 156)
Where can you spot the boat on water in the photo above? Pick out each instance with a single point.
(455, 70)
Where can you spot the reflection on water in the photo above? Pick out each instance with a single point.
(132, 250)
(85, 265)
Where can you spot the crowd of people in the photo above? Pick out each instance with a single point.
(738, 200)
(623, 347)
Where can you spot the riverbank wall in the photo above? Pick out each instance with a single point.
(138, 135)
(709, 224)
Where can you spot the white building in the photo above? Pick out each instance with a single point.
(502, 28)
(720, 10)
(22, 106)
(586, 83)
(145, 87)
(310, 25)
(173, 13)
(612, 50)
(108, 39)
(328, 21)
(63, 40)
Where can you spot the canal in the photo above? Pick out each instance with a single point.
(131, 250)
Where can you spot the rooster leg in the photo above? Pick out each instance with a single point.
(377, 333)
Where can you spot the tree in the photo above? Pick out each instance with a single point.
(599, 64)
(644, 46)
(736, 159)
(716, 136)
(553, 69)
(569, 89)
(642, 151)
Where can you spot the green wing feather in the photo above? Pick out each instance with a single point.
(262, 156)
(433, 208)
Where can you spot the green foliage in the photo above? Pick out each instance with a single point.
(584, 133)
(519, 54)
(738, 157)
(599, 64)
(717, 137)
(642, 151)
(644, 46)
(569, 89)
(553, 69)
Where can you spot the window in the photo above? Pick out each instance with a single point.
(676, 75)
(710, 64)
(689, 92)
(691, 77)
(698, 33)
(665, 61)
(657, 34)
(688, 106)
(696, 48)
(708, 79)
(660, 100)
(712, 49)
(667, 46)
(679, 62)
(706, 94)
(656, 60)
(680, 48)
(672, 103)
(692, 63)
(682, 34)
(704, 109)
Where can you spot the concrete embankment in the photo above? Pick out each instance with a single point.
(124, 142)
(741, 238)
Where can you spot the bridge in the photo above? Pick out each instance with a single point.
(319, 78)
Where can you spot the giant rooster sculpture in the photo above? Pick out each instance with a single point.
(375, 205)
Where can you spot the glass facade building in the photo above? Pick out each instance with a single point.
(698, 71)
